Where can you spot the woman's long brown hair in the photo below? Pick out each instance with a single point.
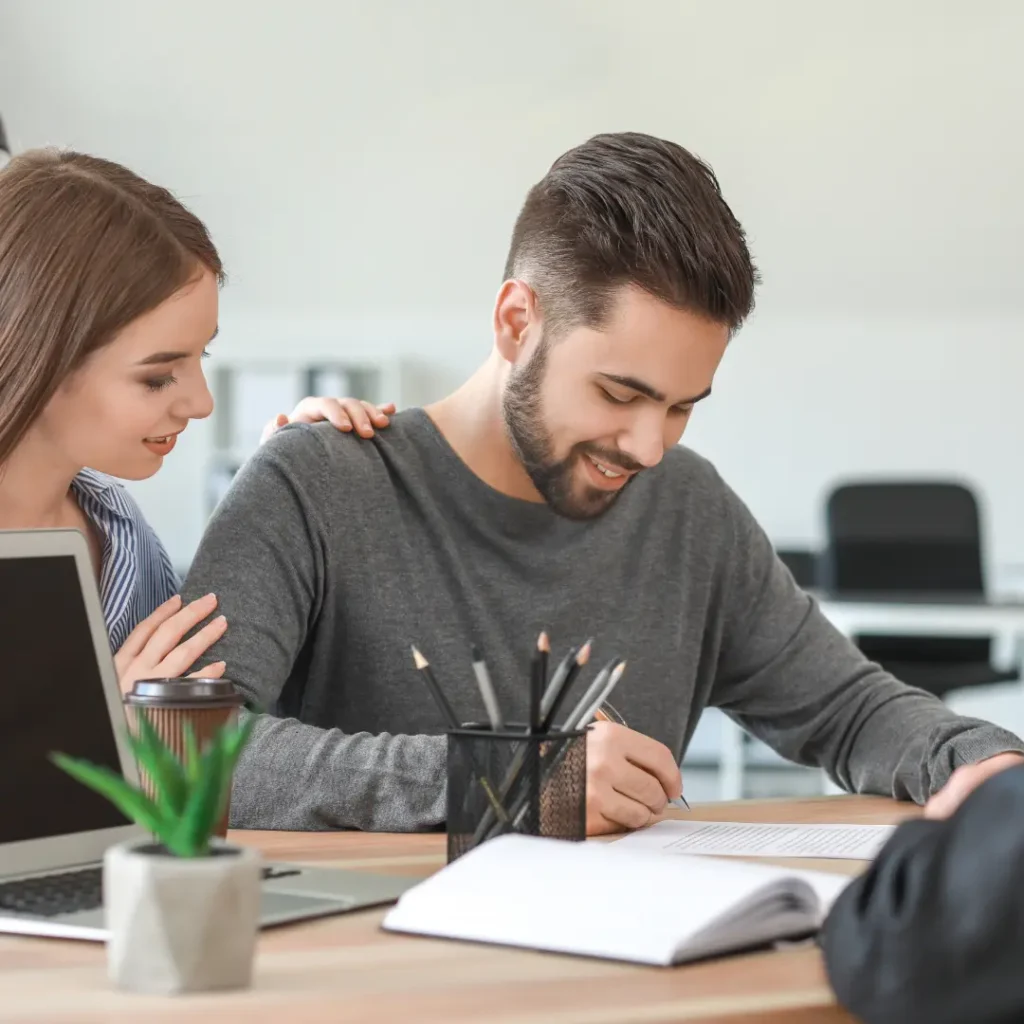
(86, 247)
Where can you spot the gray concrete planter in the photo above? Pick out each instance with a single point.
(181, 924)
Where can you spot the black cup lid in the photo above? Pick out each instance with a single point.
(178, 692)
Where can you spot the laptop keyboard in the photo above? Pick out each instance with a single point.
(72, 891)
(50, 895)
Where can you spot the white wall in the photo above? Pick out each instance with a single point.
(360, 165)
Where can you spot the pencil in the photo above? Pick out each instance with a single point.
(556, 681)
(490, 698)
(438, 694)
(592, 692)
(581, 659)
(515, 769)
(453, 723)
(536, 686)
(519, 805)
(587, 715)
(544, 649)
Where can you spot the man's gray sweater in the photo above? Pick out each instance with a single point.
(331, 555)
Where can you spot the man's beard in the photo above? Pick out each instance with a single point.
(553, 478)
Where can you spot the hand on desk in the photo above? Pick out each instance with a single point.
(965, 780)
(630, 778)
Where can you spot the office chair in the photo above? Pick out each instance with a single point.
(802, 564)
(892, 540)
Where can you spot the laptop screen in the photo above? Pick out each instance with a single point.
(53, 700)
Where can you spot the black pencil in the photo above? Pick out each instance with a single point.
(453, 723)
(537, 684)
(554, 685)
(435, 688)
(544, 646)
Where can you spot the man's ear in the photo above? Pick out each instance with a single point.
(516, 319)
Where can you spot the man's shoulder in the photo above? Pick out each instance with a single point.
(692, 474)
(313, 443)
(333, 463)
(692, 485)
(688, 489)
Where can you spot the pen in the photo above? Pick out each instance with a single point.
(676, 801)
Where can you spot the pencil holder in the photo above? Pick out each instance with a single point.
(511, 781)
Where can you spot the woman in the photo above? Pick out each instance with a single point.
(108, 299)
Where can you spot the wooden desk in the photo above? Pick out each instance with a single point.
(345, 969)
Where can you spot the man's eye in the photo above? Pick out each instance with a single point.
(682, 410)
(617, 401)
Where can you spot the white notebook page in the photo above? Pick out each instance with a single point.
(586, 897)
(743, 839)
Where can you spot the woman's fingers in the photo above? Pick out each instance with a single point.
(186, 654)
(169, 634)
(141, 634)
(345, 414)
(214, 671)
(360, 414)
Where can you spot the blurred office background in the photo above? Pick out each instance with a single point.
(360, 165)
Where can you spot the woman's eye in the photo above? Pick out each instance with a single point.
(159, 383)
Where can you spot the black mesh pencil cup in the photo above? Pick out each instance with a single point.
(514, 781)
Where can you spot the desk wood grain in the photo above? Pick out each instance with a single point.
(346, 969)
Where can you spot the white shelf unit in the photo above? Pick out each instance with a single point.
(249, 392)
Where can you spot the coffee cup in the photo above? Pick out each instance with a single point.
(168, 704)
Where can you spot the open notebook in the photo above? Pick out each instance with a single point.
(594, 900)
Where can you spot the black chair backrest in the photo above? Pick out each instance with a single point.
(906, 538)
(903, 537)
(802, 564)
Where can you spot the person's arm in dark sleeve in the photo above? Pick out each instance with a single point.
(933, 932)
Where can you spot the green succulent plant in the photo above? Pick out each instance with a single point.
(189, 797)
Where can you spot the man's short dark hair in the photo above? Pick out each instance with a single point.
(631, 209)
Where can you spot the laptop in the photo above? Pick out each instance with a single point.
(61, 693)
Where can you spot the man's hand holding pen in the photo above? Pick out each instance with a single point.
(630, 778)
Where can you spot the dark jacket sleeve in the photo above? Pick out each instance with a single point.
(933, 932)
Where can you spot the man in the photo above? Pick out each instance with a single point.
(548, 492)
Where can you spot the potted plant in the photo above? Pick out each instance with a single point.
(182, 910)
